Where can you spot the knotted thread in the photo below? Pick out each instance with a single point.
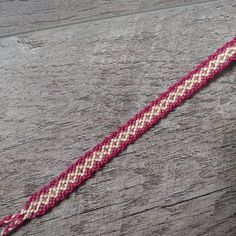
(11, 222)
(96, 158)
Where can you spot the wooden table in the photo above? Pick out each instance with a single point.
(71, 72)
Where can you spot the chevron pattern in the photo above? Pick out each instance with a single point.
(88, 164)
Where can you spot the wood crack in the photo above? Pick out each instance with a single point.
(196, 197)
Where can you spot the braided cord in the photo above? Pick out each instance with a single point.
(97, 157)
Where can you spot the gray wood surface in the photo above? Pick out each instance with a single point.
(17, 16)
(63, 89)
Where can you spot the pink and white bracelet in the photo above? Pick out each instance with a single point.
(89, 163)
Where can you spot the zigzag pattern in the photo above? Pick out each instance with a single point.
(93, 160)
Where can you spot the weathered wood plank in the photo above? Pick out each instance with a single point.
(63, 89)
(24, 16)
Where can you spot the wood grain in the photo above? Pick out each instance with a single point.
(62, 90)
(18, 16)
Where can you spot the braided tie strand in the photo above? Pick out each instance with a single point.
(93, 160)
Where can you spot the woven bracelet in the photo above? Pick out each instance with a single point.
(86, 165)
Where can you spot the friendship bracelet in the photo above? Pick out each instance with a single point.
(93, 160)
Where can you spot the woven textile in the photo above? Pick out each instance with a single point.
(93, 160)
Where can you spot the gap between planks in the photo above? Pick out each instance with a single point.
(111, 17)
